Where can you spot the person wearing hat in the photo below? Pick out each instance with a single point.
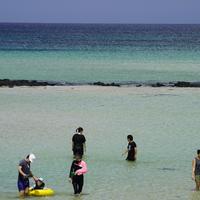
(24, 173)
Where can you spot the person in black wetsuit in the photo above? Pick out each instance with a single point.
(131, 149)
(78, 168)
(78, 142)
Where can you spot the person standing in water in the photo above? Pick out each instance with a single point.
(78, 168)
(79, 142)
(196, 170)
(24, 173)
(131, 151)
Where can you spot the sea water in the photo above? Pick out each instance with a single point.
(164, 123)
(82, 53)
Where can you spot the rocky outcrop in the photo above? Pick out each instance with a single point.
(187, 84)
(158, 85)
(31, 83)
(35, 83)
(106, 84)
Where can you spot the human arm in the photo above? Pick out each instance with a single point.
(125, 152)
(193, 169)
(73, 141)
(72, 145)
(84, 143)
(84, 147)
(135, 152)
(30, 175)
(35, 178)
(70, 173)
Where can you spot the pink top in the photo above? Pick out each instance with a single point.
(83, 170)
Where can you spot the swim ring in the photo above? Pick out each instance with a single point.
(43, 192)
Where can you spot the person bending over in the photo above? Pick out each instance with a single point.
(24, 173)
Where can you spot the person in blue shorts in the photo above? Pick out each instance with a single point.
(24, 173)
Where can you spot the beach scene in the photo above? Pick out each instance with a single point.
(113, 78)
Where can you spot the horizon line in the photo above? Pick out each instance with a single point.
(117, 23)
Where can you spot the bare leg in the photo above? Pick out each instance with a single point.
(26, 191)
(197, 185)
(21, 194)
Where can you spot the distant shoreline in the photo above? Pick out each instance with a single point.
(37, 83)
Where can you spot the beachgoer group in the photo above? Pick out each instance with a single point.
(79, 167)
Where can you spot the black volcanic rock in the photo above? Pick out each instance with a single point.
(12, 83)
(35, 83)
(182, 84)
(106, 84)
(158, 85)
(187, 84)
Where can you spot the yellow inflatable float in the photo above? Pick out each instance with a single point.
(43, 192)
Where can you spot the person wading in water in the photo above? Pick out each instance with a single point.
(196, 170)
(79, 142)
(131, 151)
(78, 168)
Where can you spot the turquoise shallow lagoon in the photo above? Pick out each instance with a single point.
(86, 67)
(164, 122)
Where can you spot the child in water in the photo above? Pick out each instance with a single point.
(78, 168)
(39, 184)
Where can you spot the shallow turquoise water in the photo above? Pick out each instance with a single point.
(164, 122)
(84, 67)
